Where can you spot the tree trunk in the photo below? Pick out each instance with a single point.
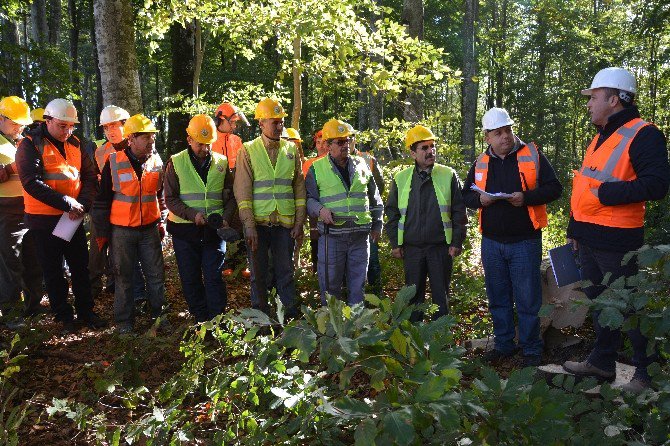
(297, 86)
(54, 20)
(469, 96)
(182, 40)
(73, 12)
(199, 50)
(412, 18)
(11, 72)
(38, 17)
(98, 77)
(117, 58)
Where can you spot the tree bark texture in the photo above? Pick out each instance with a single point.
(54, 21)
(38, 17)
(73, 12)
(412, 18)
(11, 70)
(117, 59)
(297, 86)
(469, 96)
(182, 40)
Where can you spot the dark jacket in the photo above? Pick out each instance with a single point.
(501, 221)
(649, 156)
(423, 222)
(102, 207)
(31, 168)
(189, 231)
(10, 205)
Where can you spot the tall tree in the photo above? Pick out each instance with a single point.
(54, 20)
(412, 17)
(117, 58)
(38, 17)
(11, 72)
(469, 85)
(182, 39)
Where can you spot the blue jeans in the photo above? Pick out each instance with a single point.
(278, 240)
(512, 276)
(595, 264)
(347, 253)
(197, 262)
(375, 269)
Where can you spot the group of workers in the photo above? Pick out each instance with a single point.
(266, 190)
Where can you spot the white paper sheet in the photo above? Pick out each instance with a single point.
(65, 228)
(496, 196)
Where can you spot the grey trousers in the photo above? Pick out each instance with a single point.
(432, 262)
(20, 269)
(129, 245)
(347, 253)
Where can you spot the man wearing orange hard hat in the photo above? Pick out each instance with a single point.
(227, 118)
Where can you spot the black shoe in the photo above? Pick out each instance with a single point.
(496, 355)
(110, 289)
(68, 327)
(93, 321)
(32, 312)
(532, 360)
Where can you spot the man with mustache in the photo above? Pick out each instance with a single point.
(512, 232)
(426, 220)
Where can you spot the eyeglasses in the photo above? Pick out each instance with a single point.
(341, 142)
(426, 147)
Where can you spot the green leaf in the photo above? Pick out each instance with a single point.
(546, 310)
(398, 425)
(321, 321)
(255, 316)
(351, 407)
(399, 342)
(431, 390)
(366, 432)
(610, 317)
(301, 338)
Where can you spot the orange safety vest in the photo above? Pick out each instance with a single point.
(227, 144)
(60, 174)
(102, 154)
(528, 159)
(610, 163)
(135, 200)
(308, 162)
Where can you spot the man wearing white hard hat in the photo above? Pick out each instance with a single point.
(511, 228)
(58, 178)
(625, 165)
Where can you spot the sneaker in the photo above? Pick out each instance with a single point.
(68, 327)
(496, 355)
(636, 386)
(94, 321)
(585, 368)
(15, 324)
(532, 360)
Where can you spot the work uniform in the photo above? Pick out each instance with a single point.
(512, 240)
(128, 211)
(53, 174)
(625, 165)
(227, 144)
(313, 231)
(347, 191)
(270, 193)
(19, 267)
(425, 216)
(191, 186)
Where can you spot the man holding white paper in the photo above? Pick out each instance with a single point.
(512, 232)
(58, 177)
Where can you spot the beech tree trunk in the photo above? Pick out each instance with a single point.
(117, 60)
(38, 17)
(469, 86)
(73, 12)
(182, 40)
(98, 82)
(54, 20)
(11, 70)
(297, 86)
(412, 18)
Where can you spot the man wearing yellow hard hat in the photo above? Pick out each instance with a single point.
(199, 196)
(270, 192)
(426, 220)
(344, 197)
(321, 151)
(59, 180)
(128, 213)
(19, 267)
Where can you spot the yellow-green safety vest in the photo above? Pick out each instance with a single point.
(273, 187)
(205, 198)
(441, 177)
(334, 195)
(12, 187)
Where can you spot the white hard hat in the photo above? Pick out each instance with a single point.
(61, 109)
(112, 113)
(496, 118)
(613, 77)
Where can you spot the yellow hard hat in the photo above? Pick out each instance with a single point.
(337, 129)
(15, 109)
(202, 129)
(269, 109)
(293, 134)
(37, 115)
(139, 124)
(418, 133)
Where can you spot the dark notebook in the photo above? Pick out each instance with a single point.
(564, 265)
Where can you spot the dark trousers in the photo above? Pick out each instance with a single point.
(435, 263)
(197, 261)
(375, 269)
(51, 251)
(275, 239)
(595, 264)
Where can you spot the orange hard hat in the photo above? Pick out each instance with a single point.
(230, 112)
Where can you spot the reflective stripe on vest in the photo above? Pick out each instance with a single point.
(272, 187)
(59, 173)
(441, 176)
(334, 195)
(135, 201)
(609, 163)
(205, 198)
(102, 154)
(528, 159)
(12, 187)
